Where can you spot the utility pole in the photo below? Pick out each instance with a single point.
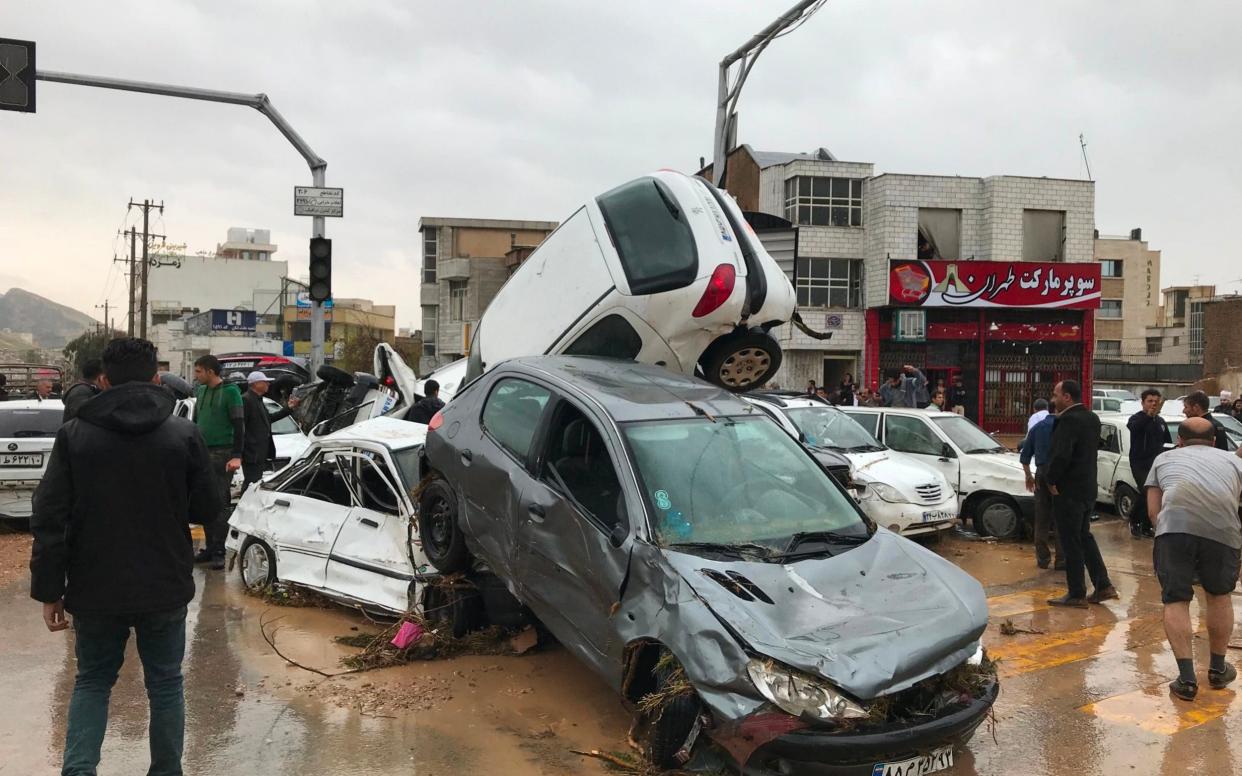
(133, 284)
(147, 206)
(107, 327)
(726, 95)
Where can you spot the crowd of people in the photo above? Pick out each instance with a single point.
(904, 387)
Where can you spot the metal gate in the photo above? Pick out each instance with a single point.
(1012, 383)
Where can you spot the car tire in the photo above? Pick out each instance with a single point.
(741, 362)
(668, 731)
(443, 541)
(334, 375)
(461, 610)
(998, 516)
(1125, 499)
(256, 563)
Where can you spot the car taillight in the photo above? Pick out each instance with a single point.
(719, 289)
(437, 420)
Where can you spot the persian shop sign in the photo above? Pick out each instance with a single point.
(1073, 285)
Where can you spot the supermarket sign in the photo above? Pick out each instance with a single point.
(1068, 285)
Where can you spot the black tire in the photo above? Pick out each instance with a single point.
(741, 362)
(668, 732)
(998, 516)
(460, 609)
(1125, 499)
(335, 376)
(443, 541)
(260, 580)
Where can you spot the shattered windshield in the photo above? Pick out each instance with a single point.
(735, 481)
(826, 427)
(967, 436)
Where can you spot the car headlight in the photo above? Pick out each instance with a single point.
(888, 493)
(800, 695)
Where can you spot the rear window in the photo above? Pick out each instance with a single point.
(610, 337)
(652, 236)
(27, 423)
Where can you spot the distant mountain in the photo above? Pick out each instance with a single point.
(52, 324)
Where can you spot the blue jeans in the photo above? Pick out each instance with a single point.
(100, 649)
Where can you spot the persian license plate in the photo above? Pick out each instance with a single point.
(22, 460)
(939, 760)
(937, 515)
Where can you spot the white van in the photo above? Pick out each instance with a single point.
(662, 270)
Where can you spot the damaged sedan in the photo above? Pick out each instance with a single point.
(691, 552)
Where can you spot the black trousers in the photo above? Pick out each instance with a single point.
(252, 472)
(1078, 547)
(1138, 515)
(216, 530)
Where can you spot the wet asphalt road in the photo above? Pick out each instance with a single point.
(1086, 695)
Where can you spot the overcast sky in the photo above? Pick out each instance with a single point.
(525, 109)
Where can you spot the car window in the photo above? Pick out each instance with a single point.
(735, 480)
(373, 487)
(407, 465)
(610, 337)
(870, 421)
(512, 414)
(652, 236)
(967, 436)
(911, 435)
(29, 423)
(578, 465)
(1110, 441)
(322, 481)
(828, 427)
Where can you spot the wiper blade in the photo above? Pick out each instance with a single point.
(738, 549)
(831, 537)
(866, 448)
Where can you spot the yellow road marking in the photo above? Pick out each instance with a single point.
(1155, 710)
(196, 533)
(1022, 655)
(1020, 603)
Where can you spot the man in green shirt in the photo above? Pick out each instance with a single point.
(219, 413)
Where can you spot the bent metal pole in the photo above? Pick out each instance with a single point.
(259, 102)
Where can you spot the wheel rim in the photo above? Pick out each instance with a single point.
(1125, 503)
(441, 526)
(255, 567)
(1000, 520)
(744, 367)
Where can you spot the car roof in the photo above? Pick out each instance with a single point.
(904, 411)
(787, 400)
(629, 391)
(390, 432)
(32, 404)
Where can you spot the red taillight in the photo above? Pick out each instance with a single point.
(719, 289)
(437, 420)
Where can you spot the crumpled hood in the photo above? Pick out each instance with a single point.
(893, 468)
(1000, 471)
(131, 408)
(873, 620)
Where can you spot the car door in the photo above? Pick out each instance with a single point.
(1107, 459)
(305, 514)
(574, 510)
(915, 436)
(369, 560)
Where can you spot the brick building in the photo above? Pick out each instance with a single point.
(1222, 345)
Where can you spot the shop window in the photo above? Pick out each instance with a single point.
(829, 282)
(1110, 308)
(1110, 268)
(1043, 235)
(820, 201)
(430, 253)
(940, 233)
(1108, 349)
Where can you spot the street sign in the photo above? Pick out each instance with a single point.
(17, 75)
(318, 201)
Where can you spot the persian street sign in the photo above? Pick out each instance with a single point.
(318, 201)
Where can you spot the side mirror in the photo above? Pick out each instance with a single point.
(618, 535)
(945, 450)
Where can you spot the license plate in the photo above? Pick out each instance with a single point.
(22, 460)
(936, 516)
(939, 760)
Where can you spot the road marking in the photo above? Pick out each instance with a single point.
(1019, 603)
(1153, 709)
(196, 533)
(1023, 655)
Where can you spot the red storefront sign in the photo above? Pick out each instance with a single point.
(966, 283)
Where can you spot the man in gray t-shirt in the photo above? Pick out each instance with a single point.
(1192, 495)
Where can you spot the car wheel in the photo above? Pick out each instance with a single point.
(741, 362)
(460, 609)
(672, 724)
(998, 516)
(1125, 499)
(443, 541)
(257, 565)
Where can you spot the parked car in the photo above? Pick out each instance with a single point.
(27, 431)
(1233, 428)
(338, 520)
(1114, 393)
(987, 475)
(1116, 480)
(896, 491)
(662, 270)
(656, 525)
(270, 364)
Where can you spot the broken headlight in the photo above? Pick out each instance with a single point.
(888, 493)
(801, 695)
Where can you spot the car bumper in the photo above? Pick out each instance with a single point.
(911, 519)
(818, 753)
(16, 500)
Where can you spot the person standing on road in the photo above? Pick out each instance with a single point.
(112, 548)
(1193, 492)
(847, 389)
(1148, 436)
(1072, 481)
(906, 387)
(1041, 412)
(427, 407)
(220, 415)
(259, 448)
(957, 395)
(87, 388)
(1226, 403)
(1036, 447)
(1195, 405)
(937, 401)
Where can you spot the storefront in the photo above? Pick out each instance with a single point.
(1010, 330)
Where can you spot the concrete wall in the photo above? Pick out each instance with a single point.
(1222, 345)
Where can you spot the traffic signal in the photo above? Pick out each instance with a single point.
(320, 269)
(17, 75)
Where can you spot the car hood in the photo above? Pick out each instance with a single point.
(893, 468)
(873, 620)
(1003, 465)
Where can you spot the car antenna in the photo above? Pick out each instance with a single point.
(700, 411)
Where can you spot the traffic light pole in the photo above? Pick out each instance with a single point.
(259, 102)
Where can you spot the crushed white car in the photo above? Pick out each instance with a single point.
(339, 399)
(27, 432)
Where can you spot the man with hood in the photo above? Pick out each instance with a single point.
(112, 547)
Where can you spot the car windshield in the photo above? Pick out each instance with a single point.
(407, 464)
(1119, 393)
(27, 423)
(826, 427)
(967, 436)
(736, 481)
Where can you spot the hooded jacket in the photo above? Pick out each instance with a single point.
(111, 515)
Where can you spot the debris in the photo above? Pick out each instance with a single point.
(282, 594)
(409, 633)
(1007, 628)
(970, 536)
(380, 651)
(524, 641)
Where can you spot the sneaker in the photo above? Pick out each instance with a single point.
(1068, 601)
(1136, 531)
(203, 556)
(1221, 679)
(1043, 564)
(1184, 690)
(1100, 596)
(1149, 532)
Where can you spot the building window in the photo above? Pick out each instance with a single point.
(431, 319)
(457, 300)
(1179, 298)
(910, 326)
(1154, 346)
(1043, 235)
(1110, 268)
(817, 201)
(829, 282)
(430, 252)
(1108, 349)
(1110, 308)
(940, 234)
(1196, 330)
(245, 255)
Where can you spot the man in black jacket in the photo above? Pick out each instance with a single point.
(426, 409)
(1148, 436)
(1072, 479)
(1195, 405)
(83, 390)
(112, 547)
(258, 447)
